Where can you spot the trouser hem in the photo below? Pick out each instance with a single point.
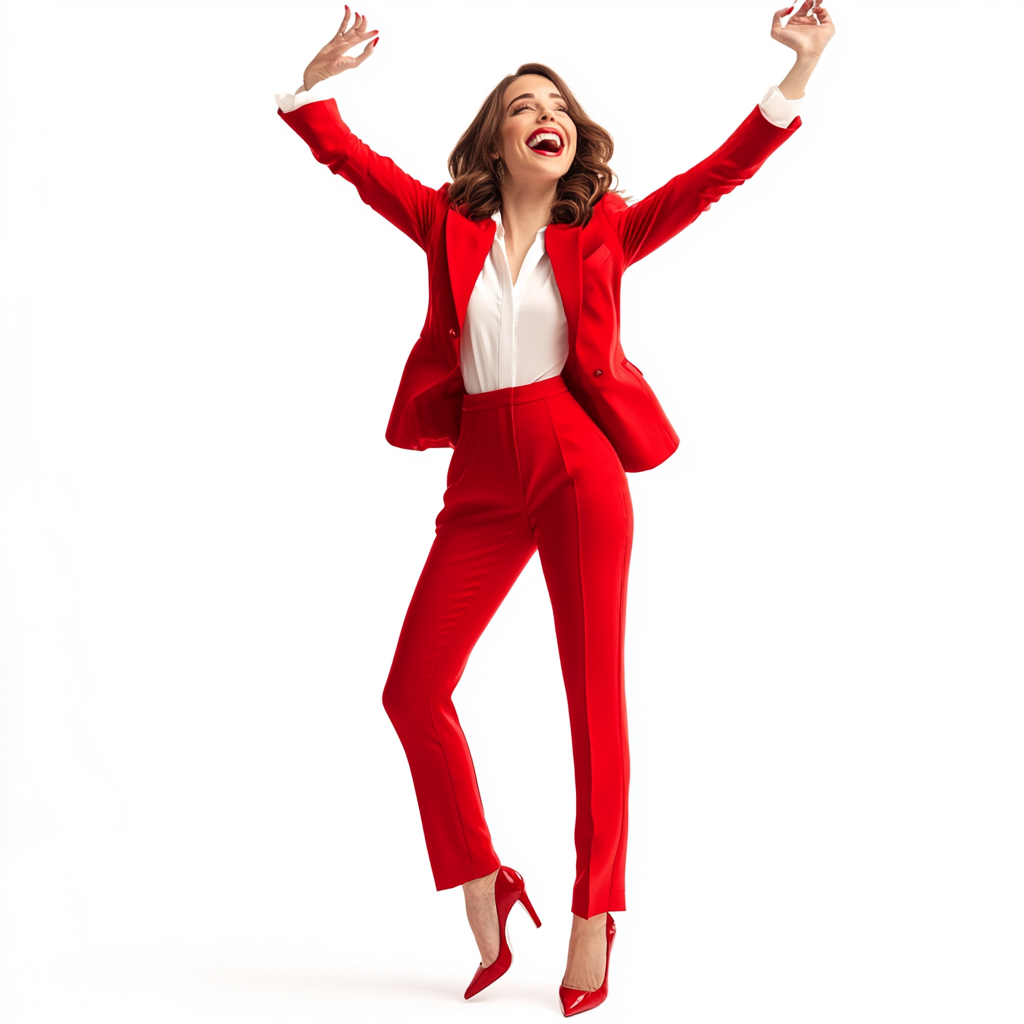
(454, 880)
(614, 901)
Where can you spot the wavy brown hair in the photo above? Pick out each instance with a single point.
(475, 189)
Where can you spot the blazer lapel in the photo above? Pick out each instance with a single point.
(562, 243)
(468, 242)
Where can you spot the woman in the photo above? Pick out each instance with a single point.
(519, 368)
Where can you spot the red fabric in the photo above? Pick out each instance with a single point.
(531, 472)
(588, 263)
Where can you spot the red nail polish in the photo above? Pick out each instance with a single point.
(376, 41)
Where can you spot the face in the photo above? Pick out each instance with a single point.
(534, 112)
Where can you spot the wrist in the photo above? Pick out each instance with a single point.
(309, 79)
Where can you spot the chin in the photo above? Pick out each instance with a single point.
(553, 173)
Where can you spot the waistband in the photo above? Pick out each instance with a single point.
(546, 388)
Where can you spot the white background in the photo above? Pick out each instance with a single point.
(207, 547)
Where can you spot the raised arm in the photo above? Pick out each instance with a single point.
(650, 223)
(407, 203)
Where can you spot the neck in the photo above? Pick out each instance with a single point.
(525, 209)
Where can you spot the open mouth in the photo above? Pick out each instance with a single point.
(546, 142)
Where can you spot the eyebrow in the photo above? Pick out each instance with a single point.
(530, 96)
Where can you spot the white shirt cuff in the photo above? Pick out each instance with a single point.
(289, 101)
(777, 109)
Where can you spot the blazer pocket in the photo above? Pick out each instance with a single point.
(597, 257)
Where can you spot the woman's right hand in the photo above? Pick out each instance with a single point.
(331, 60)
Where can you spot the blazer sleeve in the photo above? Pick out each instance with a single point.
(409, 204)
(651, 222)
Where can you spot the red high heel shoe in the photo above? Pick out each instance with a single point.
(575, 1000)
(508, 891)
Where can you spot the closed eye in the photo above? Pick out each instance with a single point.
(527, 106)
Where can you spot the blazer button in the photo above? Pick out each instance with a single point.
(597, 373)
(452, 332)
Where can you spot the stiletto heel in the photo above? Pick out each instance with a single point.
(525, 900)
(575, 1000)
(509, 889)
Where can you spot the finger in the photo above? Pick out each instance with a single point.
(777, 25)
(341, 31)
(823, 18)
(367, 50)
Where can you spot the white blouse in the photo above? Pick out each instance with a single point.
(500, 312)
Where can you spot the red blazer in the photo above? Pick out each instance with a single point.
(587, 263)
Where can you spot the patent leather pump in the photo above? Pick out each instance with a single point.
(575, 1000)
(509, 890)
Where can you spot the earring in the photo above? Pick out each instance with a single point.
(499, 168)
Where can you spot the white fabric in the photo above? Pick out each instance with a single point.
(289, 101)
(777, 109)
(500, 313)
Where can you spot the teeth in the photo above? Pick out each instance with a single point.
(541, 137)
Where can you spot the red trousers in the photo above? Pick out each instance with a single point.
(530, 472)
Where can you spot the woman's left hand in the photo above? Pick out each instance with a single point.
(803, 32)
